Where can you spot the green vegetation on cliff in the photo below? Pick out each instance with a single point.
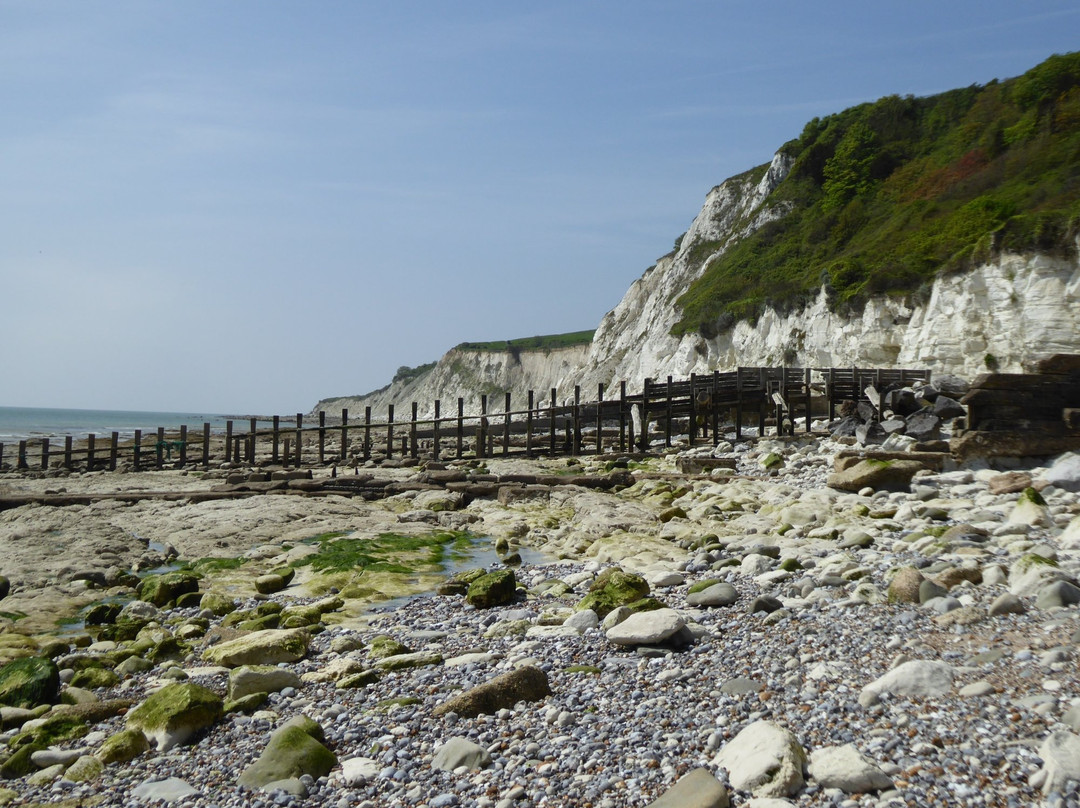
(544, 343)
(885, 196)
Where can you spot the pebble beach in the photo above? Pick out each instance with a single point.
(804, 644)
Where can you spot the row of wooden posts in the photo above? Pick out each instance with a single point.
(706, 403)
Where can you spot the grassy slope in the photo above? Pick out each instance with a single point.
(886, 196)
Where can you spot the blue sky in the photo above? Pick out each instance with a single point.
(244, 207)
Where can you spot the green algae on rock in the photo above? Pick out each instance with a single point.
(611, 589)
(29, 681)
(261, 648)
(492, 589)
(175, 713)
(294, 749)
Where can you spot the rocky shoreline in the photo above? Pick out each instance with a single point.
(777, 633)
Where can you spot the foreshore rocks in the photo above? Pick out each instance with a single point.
(745, 635)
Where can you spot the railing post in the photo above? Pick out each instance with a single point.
(90, 439)
(412, 430)
(460, 427)
(389, 431)
(644, 436)
(299, 440)
(553, 426)
(228, 441)
(481, 430)
(344, 434)
(253, 424)
(576, 442)
(136, 450)
(160, 447)
(183, 444)
(114, 450)
(692, 428)
(435, 432)
(21, 462)
(322, 437)
(206, 443)
(715, 407)
(667, 428)
(69, 442)
(367, 433)
(44, 454)
(622, 417)
(600, 418)
(506, 425)
(529, 425)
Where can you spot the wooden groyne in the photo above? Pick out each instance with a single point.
(700, 408)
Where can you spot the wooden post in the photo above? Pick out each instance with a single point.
(251, 443)
(481, 431)
(691, 430)
(45, 454)
(506, 425)
(160, 447)
(600, 418)
(367, 433)
(344, 434)
(206, 443)
(576, 444)
(274, 457)
(622, 417)
(285, 459)
(529, 425)
(322, 437)
(412, 430)
(806, 394)
(762, 404)
(228, 441)
(389, 431)
(183, 444)
(69, 442)
(552, 425)
(644, 436)
(136, 450)
(89, 452)
(21, 462)
(114, 450)
(435, 432)
(715, 407)
(739, 403)
(667, 428)
(1, 455)
(460, 427)
(299, 440)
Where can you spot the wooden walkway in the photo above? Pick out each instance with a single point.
(701, 408)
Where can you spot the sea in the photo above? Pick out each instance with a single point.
(24, 423)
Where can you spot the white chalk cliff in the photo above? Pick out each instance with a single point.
(1001, 315)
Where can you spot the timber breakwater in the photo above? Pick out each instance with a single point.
(771, 619)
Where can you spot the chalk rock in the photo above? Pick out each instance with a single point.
(764, 759)
(695, 789)
(357, 771)
(173, 714)
(718, 594)
(169, 790)
(881, 475)
(846, 768)
(261, 648)
(918, 677)
(459, 752)
(1060, 753)
(647, 628)
(1065, 473)
(248, 679)
(294, 749)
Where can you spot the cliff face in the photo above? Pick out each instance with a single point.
(1003, 315)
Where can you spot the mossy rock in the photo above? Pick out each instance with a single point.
(29, 681)
(189, 600)
(173, 714)
(496, 588)
(162, 590)
(293, 751)
(701, 586)
(791, 565)
(1031, 495)
(355, 681)
(261, 648)
(53, 730)
(458, 584)
(649, 604)
(611, 589)
(264, 623)
(123, 630)
(125, 745)
(102, 614)
(270, 583)
(93, 678)
(675, 512)
(84, 770)
(218, 603)
(246, 704)
(383, 645)
(589, 669)
(19, 763)
(772, 461)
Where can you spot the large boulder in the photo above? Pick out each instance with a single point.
(28, 682)
(125, 745)
(919, 677)
(904, 586)
(268, 647)
(647, 628)
(458, 752)
(764, 759)
(162, 590)
(175, 713)
(1065, 472)
(248, 679)
(294, 749)
(881, 475)
(613, 588)
(1060, 753)
(492, 589)
(526, 683)
(718, 593)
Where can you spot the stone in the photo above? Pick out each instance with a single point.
(261, 648)
(583, 620)
(168, 790)
(613, 588)
(28, 682)
(947, 408)
(870, 433)
(496, 588)
(5, 587)
(175, 713)
(1011, 482)
(269, 584)
(458, 752)
(1030, 510)
(764, 759)
(161, 590)
(383, 645)
(1060, 753)
(294, 749)
(125, 745)
(846, 768)
(880, 475)
(930, 590)
(695, 789)
(359, 770)
(904, 586)
(248, 679)
(647, 628)
(1057, 594)
(718, 594)
(1030, 573)
(918, 677)
(527, 683)
(84, 770)
(418, 659)
(1064, 473)
(765, 603)
(1006, 603)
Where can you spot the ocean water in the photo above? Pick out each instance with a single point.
(18, 423)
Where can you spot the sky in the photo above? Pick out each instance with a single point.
(245, 207)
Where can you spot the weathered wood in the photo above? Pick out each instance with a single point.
(412, 430)
(90, 439)
(460, 427)
(576, 446)
(600, 418)
(506, 425)
(481, 429)
(299, 439)
(344, 455)
(228, 441)
(551, 421)
(435, 432)
(68, 445)
(183, 444)
(277, 439)
(529, 425)
(206, 444)
(322, 437)
(367, 433)
(114, 450)
(389, 431)
(44, 454)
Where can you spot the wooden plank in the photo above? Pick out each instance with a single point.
(206, 444)
(344, 454)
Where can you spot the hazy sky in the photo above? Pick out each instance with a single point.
(248, 206)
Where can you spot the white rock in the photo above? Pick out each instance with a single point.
(357, 771)
(1060, 753)
(919, 677)
(846, 768)
(170, 789)
(647, 628)
(764, 759)
(458, 752)
(583, 620)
